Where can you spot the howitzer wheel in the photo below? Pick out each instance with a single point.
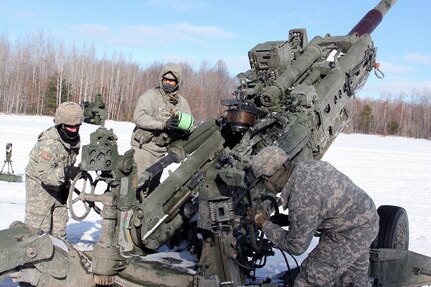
(394, 228)
(98, 208)
(82, 183)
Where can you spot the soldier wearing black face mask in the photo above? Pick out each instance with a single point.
(50, 167)
(154, 116)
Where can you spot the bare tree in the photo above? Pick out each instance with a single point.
(28, 67)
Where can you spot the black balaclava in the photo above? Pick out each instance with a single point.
(70, 137)
(168, 88)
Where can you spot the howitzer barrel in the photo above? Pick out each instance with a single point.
(178, 150)
(197, 137)
(372, 19)
(186, 170)
(163, 201)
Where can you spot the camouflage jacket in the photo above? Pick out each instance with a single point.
(48, 158)
(320, 198)
(153, 110)
(155, 107)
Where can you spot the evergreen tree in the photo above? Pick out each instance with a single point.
(52, 94)
(366, 119)
(393, 127)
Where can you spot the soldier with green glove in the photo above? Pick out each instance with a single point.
(318, 198)
(157, 118)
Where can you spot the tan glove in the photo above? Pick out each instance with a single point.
(257, 215)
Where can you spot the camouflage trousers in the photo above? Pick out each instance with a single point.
(340, 259)
(43, 211)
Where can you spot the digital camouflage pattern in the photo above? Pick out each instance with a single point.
(268, 161)
(320, 198)
(46, 185)
(69, 113)
(150, 136)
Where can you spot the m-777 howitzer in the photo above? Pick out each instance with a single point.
(294, 96)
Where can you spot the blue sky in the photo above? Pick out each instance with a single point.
(146, 31)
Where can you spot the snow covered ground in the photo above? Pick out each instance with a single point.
(393, 170)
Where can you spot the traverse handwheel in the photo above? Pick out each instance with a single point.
(81, 184)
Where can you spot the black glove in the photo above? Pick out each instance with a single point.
(172, 123)
(280, 219)
(70, 172)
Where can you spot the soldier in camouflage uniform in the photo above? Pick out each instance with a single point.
(49, 169)
(156, 124)
(319, 198)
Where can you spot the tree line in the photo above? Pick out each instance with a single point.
(406, 115)
(37, 73)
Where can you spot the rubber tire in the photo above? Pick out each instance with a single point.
(394, 228)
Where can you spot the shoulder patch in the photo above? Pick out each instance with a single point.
(45, 155)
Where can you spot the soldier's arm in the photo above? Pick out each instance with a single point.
(50, 169)
(185, 107)
(145, 115)
(303, 223)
